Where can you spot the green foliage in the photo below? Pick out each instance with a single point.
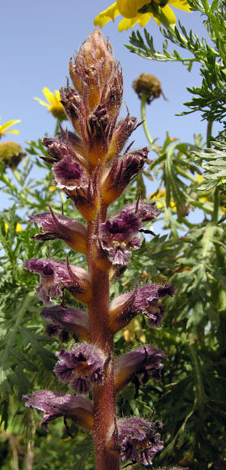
(210, 97)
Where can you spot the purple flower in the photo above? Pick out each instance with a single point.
(118, 235)
(121, 173)
(144, 300)
(138, 441)
(122, 228)
(74, 233)
(55, 404)
(67, 145)
(69, 174)
(71, 320)
(81, 367)
(55, 275)
(145, 360)
(145, 211)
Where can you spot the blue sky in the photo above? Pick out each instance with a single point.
(37, 40)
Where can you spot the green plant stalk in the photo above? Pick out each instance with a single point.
(144, 118)
(198, 405)
(216, 205)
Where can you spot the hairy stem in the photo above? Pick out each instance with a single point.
(103, 395)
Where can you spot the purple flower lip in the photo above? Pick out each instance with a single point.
(58, 226)
(69, 174)
(81, 367)
(144, 300)
(145, 360)
(55, 275)
(138, 441)
(75, 322)
(55, 404)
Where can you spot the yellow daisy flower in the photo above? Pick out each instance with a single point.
(53, 103)
(4, 127)
(129, 9)
(160, 198)
(18, 227)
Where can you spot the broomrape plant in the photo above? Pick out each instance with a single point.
(89, 168)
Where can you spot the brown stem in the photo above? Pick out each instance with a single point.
(103, 396)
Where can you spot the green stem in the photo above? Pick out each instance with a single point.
(209, 133)
(216, 204)
(144, 119)
(198, 378)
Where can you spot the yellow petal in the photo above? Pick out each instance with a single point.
(170, 15)
(129, 9)
(9, 124)
(181, 4)
(12, 132)
(106, 15)
(144, 18)
(43, 103)
(48, 94)
(126, 23)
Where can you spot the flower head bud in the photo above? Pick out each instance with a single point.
(81, 367)
(121, 173)
(55, 276)
(138, 441)
(74, 233)
(11, 153)
(55, 404)
(149, 85)
(144, 300)
(72, 320)
(145, 360)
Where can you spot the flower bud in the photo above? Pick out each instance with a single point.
(123, 170)
(94, 72)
